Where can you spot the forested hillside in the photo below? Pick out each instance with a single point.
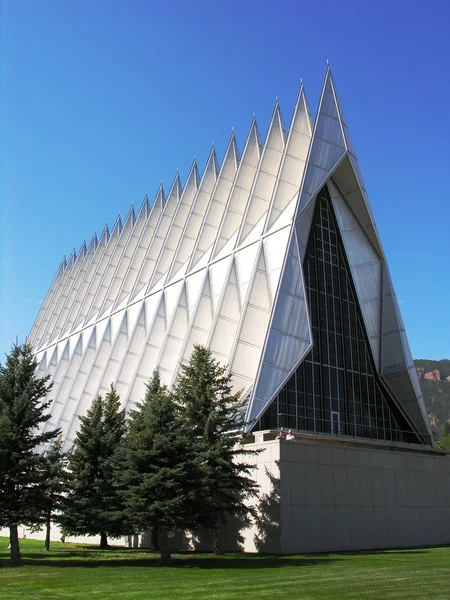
(434, 377)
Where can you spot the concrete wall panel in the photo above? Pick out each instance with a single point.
(336, 497)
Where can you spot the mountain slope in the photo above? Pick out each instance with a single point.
(434, 377)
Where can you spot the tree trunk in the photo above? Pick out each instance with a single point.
(103, 541)
(16, 558)
(154, 539)
(47, 533)
(164, 547)
(217, 547)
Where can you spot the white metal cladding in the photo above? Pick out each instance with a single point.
(72, 290)
(141, 248)
(124, 259)
(72, 306)
(239, 194)
(117, 252)
(397, 365)
(328, 145)
(40, 326)
(219, 263)
(88, 297)
(34, 335)
(366, 268)
(69, 282)
(159, 236)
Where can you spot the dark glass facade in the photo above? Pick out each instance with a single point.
(336, 389)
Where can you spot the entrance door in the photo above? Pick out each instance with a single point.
(335, 423)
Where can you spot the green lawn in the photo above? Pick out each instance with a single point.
(82, 572)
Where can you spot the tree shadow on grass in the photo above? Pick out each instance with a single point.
(184, 561)
(404, 551)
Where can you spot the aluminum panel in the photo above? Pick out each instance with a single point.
(42, 328)
(292, 282)
(303, 227)
(230, 303)
(260, 295)
(89, 294)
(325, 155)
(275, 137)
(246, 360)
(292, 171)
(328, 104)
(218, 275)
(269, 381)
(265, 181)
(357, 247)
(180, 323)
(297, 148)
(253, 331)
(367, 280)
(194, 285)
(171, 298)
(240, 192)
(291, 317)
(223, 338)
(281, 349)
(356, 198)
(346, 219)
(32, 338)
(403, 388)
(125, 259)
(251, 154)
(371, 314)
(262, 193)
(239, 195)
(285, 193)
(196, 336)
(128, 369)
(138, 336)
(72, 285)
(114, 259)
(169, 359)
(275, 246)
(256, 409)
(330, 129)
(314, 179)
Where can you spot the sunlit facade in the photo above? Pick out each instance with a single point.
(271, 259)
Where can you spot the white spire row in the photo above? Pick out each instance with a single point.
(219, 262)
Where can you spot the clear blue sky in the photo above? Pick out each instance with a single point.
(103, 99)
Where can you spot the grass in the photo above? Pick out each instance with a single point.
(72, 572)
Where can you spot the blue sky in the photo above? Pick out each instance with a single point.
(102, 100)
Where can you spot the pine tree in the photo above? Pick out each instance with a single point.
(209, 408)
(93, 505)
(56, 486)
(23, 468)
(157, 469)
(446, 429)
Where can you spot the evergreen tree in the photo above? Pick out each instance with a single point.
(446, 429)
(23, 470)
(56, 486)
(94, 505)
(209, 408)
(156, 469)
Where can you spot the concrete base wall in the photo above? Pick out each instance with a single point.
(329, 496)
(319, 495)
(55, 536)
